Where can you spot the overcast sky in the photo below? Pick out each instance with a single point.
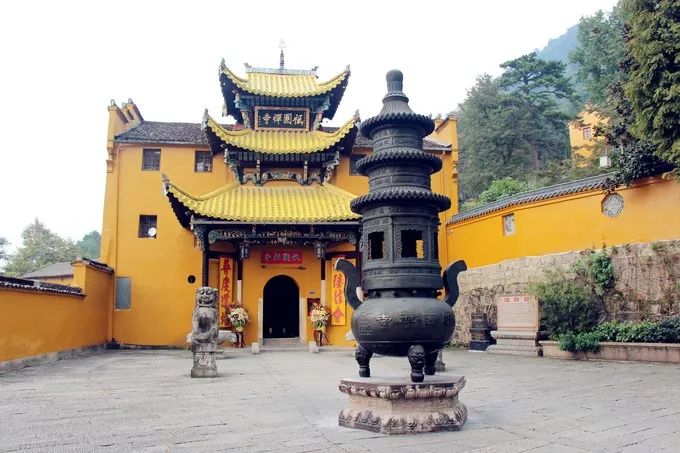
(63, 61)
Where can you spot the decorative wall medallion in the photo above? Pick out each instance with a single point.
(612, 205)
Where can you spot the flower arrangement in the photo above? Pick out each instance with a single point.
(238, 316)
(319, 317)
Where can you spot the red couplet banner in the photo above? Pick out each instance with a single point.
(281, 257)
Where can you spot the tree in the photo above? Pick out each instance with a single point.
(88, 246)
(599, 53)
(487, 137)
(533, 88)
(653, 88)
(501, 188)
(3, 253)
(40, 247)
(512, 126)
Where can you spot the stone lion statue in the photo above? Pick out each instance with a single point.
(205, 328)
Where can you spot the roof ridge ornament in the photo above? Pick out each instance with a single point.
(282, 45)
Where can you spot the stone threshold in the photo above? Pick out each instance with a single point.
(50, 357)
(619, 352)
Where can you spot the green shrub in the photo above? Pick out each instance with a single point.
(608, 330)
(601, 271)
(566, 306)
(579, 342)
(668, 330)
(665, 331)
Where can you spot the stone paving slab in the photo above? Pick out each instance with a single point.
(288, 401)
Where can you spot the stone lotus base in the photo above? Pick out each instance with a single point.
(395, 405)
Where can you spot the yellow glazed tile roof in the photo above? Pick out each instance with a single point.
(284, 85)
(280, 142)
(270, 204)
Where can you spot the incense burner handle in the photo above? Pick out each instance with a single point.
(352, 281)
(451, 281)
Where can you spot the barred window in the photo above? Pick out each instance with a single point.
(587, 133)
(151, 159)
(147, 226)
(203, 162)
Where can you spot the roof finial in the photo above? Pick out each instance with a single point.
(282, 45)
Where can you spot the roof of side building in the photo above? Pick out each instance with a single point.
(544, 193)
(62, 269)
(160, 133)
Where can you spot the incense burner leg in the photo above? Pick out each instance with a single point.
(416, 357)
(430, 362)
(363, 357)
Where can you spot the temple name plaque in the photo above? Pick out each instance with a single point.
(518, 312)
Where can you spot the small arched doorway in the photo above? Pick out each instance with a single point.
(281, 308)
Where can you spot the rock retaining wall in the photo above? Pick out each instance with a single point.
(647, 285)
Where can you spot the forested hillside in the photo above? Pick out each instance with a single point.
(513, 129)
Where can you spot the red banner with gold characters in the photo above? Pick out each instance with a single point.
(226, 289)
(338, 305)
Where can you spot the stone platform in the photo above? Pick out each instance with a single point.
(395, 405)
(516, 343)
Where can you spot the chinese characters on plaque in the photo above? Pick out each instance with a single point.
(281, 118)
(281, 257)
(226, 278)
(338, 308)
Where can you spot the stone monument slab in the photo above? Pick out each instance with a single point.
(395, 405)
(518, 323)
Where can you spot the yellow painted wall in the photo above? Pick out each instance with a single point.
(567, 223)
(581, 147)
(36, 323)
(161, 297)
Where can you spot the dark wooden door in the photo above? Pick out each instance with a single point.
(281, 308)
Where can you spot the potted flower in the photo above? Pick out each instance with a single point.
(238, 316)
(318, 316)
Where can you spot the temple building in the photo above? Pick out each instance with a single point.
(257, 206)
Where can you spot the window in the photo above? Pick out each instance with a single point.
(123, 290)
(353, 159)
(412, 244)
(203, 162)
(151, 159)
(147, 226)
(376, 245)
(587, 133)
(508, 225)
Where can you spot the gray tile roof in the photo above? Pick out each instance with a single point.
(20, 284)
(159, 133)
(544, 193)
(63, 269)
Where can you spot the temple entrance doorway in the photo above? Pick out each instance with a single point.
(281, 308)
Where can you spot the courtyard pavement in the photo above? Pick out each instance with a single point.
(288, 401)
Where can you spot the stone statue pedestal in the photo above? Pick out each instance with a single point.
(516, 343)
(518, 326)
(395, 405)
(204, 360)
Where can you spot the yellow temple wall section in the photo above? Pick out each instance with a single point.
(581, 146)
(162, 299)
(36, 323)
(571, 222)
